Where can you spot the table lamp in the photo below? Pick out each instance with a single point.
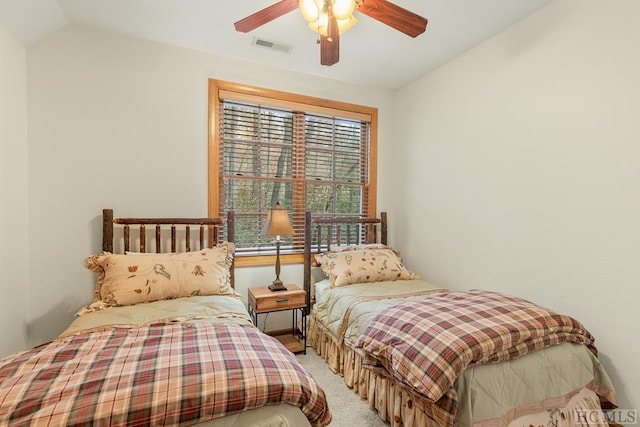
(278, 225)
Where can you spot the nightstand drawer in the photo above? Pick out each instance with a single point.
(262, 299)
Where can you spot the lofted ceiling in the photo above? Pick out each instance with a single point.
(371, 53)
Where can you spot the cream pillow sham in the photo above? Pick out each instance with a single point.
(315, 262)
(363, 266)
(133, 279)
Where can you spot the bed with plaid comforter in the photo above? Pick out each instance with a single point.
(426, 344)
(176, 373)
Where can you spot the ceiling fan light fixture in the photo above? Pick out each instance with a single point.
(316, 13)
(321, 25)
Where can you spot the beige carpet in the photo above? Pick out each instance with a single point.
(346, 407)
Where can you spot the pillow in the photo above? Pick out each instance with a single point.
(319, 288)
(134, 279)
(343, 248)
(363, 266)
(90, 263)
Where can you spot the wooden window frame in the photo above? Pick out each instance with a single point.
(220, 89)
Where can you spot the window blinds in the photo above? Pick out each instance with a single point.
(303, 160)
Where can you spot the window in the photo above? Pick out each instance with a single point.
(308, 154)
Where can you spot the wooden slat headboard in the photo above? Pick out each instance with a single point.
(321, 232)
(211, 231)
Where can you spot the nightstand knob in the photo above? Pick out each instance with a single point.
(282, 299)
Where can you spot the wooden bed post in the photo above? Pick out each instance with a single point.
(307, 259)
(383, 228)
(231, 238)
(107, 230)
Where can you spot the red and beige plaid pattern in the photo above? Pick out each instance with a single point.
(170, 374)
(426, 344)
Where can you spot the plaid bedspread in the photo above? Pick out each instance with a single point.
(426, 344)
(168, 374)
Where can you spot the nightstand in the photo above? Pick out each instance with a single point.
(263, 300)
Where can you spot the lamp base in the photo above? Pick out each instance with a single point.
(277, 286)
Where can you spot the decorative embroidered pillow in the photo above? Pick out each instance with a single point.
(344, 248)
(134, 279)
(363, 266)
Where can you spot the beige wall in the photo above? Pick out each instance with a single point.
(522, 172)
(120, 122)
(14, 274)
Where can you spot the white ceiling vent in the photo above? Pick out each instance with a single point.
(278, 47)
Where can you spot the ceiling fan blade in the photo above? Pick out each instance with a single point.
(394, 16)
(265, 15)
(330, 44)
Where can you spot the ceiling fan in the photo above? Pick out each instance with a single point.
(331, 18)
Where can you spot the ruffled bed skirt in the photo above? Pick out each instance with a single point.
(394, 404)
(402, 408)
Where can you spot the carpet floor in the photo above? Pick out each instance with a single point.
(346, 407)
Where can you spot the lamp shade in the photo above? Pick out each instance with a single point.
(310, 9)
(278, 223)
